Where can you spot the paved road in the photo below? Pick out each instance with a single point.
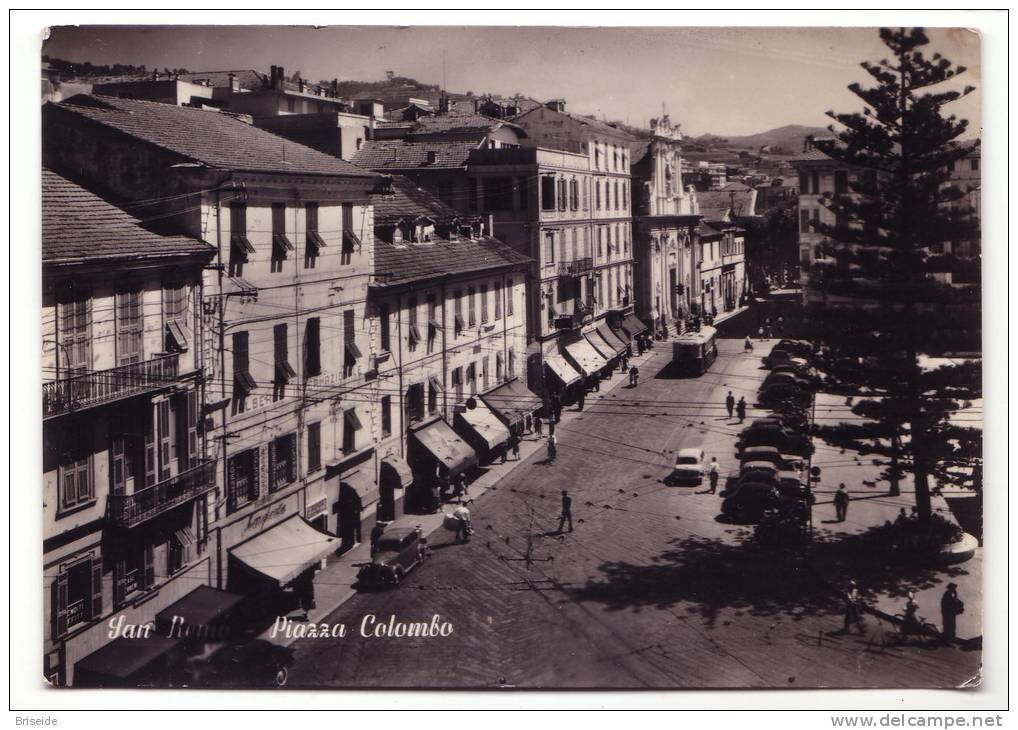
(650, 590)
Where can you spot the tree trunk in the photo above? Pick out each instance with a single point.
(895, 471)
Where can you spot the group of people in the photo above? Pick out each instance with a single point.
(736, 407)
(912, 624)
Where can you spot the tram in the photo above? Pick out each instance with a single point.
(695, 352)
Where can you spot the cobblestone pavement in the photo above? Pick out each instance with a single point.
(649, 590)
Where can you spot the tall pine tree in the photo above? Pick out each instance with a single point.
(882, 306)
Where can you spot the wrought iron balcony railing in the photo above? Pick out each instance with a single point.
(129, 510)
(575, 267)
(574, 319)
(95, 387)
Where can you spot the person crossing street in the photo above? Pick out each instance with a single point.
(567, 512)
(740, 409)
(730, 403)
(714, 473)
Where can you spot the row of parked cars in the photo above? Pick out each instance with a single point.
(773, 451)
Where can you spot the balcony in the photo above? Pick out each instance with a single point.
(574, 319)
(576, 267)
(129, 510)
(95, 387)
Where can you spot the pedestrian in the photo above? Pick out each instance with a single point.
(516, 448)
(552, 448)
(910, 625)
(538, 427)
(503, 455)
(558, 410)
(760, 333)
(376, 533)
(781, 325)
(304, 587)
(950, 608)
(853, 606)
(902, 519)
(639, 344)
(463, 529)
(730, 404)
(748, 346)
(714, 473)
(579, 400)
(567, 512)
(625, 363)
(634, 376)
(740, 408)
(841, 500)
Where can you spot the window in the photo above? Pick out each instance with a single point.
(597, 195)
(472, 194)
(314, 243)
(415, 403)
(185, 408)
(548, 192)
(511, 364)
(484, 303)
(175, 552)
(974, 164)
(803, 221)
(562, 202)
(351, 241)
(175, 317)
(282, 461)
(129, 327)
(457, 383)
(615, 157)
(616, 186)
(815, 177)
(351, 425)
(75, 471)
(459, 323)
(434, 388)
(472, 378)
(315, 446)
(281, 244)
(283, 371)
(79, 595)
(498, 300)
(625, 195)
(445, 192)
(498, 367)
(383, 326)
(291, 105)
(413, 333)
(350, 350)
(433, 324)
(485, 371)
(597, 156)
(133, 571)
(574, 194)
(509, 297)
(312, 347)
(498, 193)
(840, 182)
(242, 479)
(472, 306)
(243, 383)
(549, 247)
(75, 350)
(521, 186)
(240, 246)
(386, 415)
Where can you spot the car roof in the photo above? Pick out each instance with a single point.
(397, 533)
(749, 465)
(763, 449)
(690, 452)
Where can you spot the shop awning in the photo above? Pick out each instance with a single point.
(284, 551)
(612, 339)
(400, 468)
(362, 482)
(446, 446)
(123, 660)
(632, 325)
(597, 342)
(512, 401)
(587, 359)
(562, 369)
(201, 607)
(485, 424)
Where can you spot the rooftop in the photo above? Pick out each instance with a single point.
(407, 201)
(400, 154)
(79, 226)
(210, 137)
(715, 204)
(397, 264)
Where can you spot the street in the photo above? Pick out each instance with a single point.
(650, 590)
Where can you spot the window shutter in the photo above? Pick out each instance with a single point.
(164, 439)
(256, 477)
(119, 572)
(97, 587)
(272, 465)
(150, 568)
(291, 443)
(192, 428)
(61, 604)
(231, 486)
(150, 448)
(118, 480)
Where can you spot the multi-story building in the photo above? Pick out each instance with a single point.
(665, 215)
(290, 385)
(450, 302)
(127, 481)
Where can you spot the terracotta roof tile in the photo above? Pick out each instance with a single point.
(410, 262)
(216, 139)
(399, 154)
(78, 225)
(407, 201)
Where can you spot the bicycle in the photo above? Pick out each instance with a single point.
(924, 631)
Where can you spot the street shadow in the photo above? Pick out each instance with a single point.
(708, 576)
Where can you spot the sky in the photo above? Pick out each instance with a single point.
(727, 81)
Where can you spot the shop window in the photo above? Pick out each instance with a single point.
(134, 571)
(242, 479)
(78, 594)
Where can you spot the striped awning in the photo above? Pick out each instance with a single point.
(562, 369)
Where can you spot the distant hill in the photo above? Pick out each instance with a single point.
(789, 138)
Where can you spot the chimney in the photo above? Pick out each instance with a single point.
(278, 83)
(556, 105)
(443, 104)
(300, 85)
(335, 87)
(432, 157)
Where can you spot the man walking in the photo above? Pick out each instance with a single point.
(950, 607)
(516, 447)
(376, 533)
(567, 512)
(714, 473)
(740, 408)
(853, 604)
(579, 400)
(730, 403)
(841, 500)
(538, 428)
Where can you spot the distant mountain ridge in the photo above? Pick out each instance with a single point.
(789, 137)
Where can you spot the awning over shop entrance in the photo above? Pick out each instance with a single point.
(400, 468)
(126, 663)
(587, 359)
(512, 401)
(363, 483)
(446, 446)
(202, 607)
(283, 552)
(632, 325)
(562, 369)
(612, 339)
(484, 424)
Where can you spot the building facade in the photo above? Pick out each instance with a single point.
(127, 481)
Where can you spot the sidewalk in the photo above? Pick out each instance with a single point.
(334, 584)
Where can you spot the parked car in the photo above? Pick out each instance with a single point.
(783, 357)
(751, 499)
(397, 552)
(787, 377)
(785, 462)
(689, 467)
(776, 394)
(787, 482)
(251, 663)
(785, 440)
